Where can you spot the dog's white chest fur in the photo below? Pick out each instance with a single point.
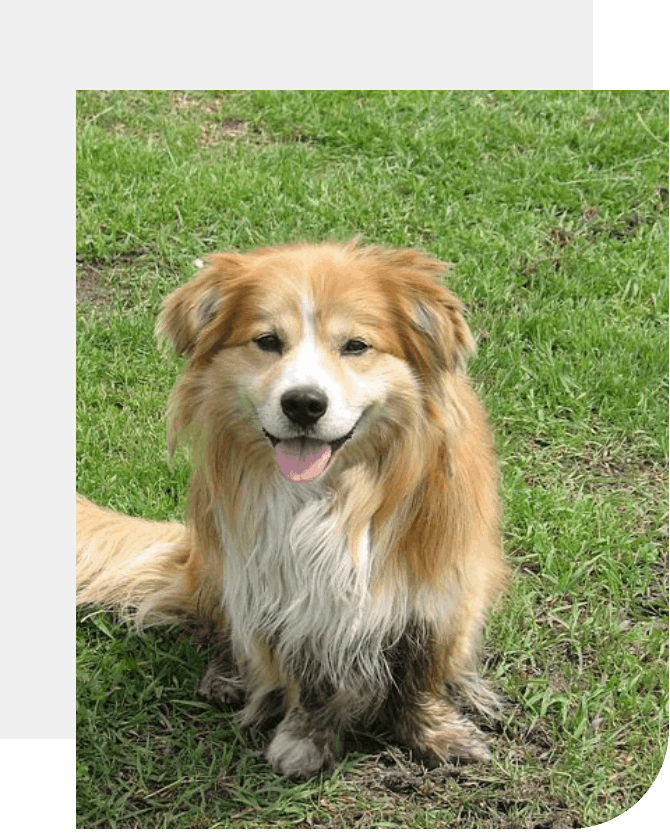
(291, 578)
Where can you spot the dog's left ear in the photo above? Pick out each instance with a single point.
(440, 323)
(188, 311)
(438, 338)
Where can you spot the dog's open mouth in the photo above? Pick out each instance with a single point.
(304, 458)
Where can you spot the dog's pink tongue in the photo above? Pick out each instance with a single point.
(302, 459)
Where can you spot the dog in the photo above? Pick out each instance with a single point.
(343, 534)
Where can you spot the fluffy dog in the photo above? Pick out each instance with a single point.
(343, 529)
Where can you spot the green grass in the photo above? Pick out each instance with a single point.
(553, 208)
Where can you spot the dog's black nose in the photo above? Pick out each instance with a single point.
(304, 405)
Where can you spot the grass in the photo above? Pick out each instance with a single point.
(553, 208)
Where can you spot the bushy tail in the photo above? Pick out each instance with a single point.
(149, 570)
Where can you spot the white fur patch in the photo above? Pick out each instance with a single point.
(298, 756)
(291, 578)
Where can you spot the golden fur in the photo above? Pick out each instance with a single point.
(343, 527)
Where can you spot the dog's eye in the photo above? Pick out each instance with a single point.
(355, 346)
(270, 343)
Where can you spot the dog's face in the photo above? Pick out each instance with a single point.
(317, 350)
(313, 369)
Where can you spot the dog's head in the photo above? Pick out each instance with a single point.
(312, 349)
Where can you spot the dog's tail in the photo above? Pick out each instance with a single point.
(147, 570)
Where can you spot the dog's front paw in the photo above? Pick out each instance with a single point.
(436, 731)
(466, 744)
(297, 752)
(221, 686)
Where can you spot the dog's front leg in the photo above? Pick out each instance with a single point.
(222, 682)
(306, 740)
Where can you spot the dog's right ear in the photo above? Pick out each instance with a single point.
(188, 311)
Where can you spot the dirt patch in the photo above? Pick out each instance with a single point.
(463, 796)
(89, 288)
(213, 130)
(571, 229)
(211, 133)
(99, 282)
(602, 471)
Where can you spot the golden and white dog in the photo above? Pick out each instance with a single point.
(343, 511)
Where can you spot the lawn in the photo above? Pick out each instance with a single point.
(553, 209)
